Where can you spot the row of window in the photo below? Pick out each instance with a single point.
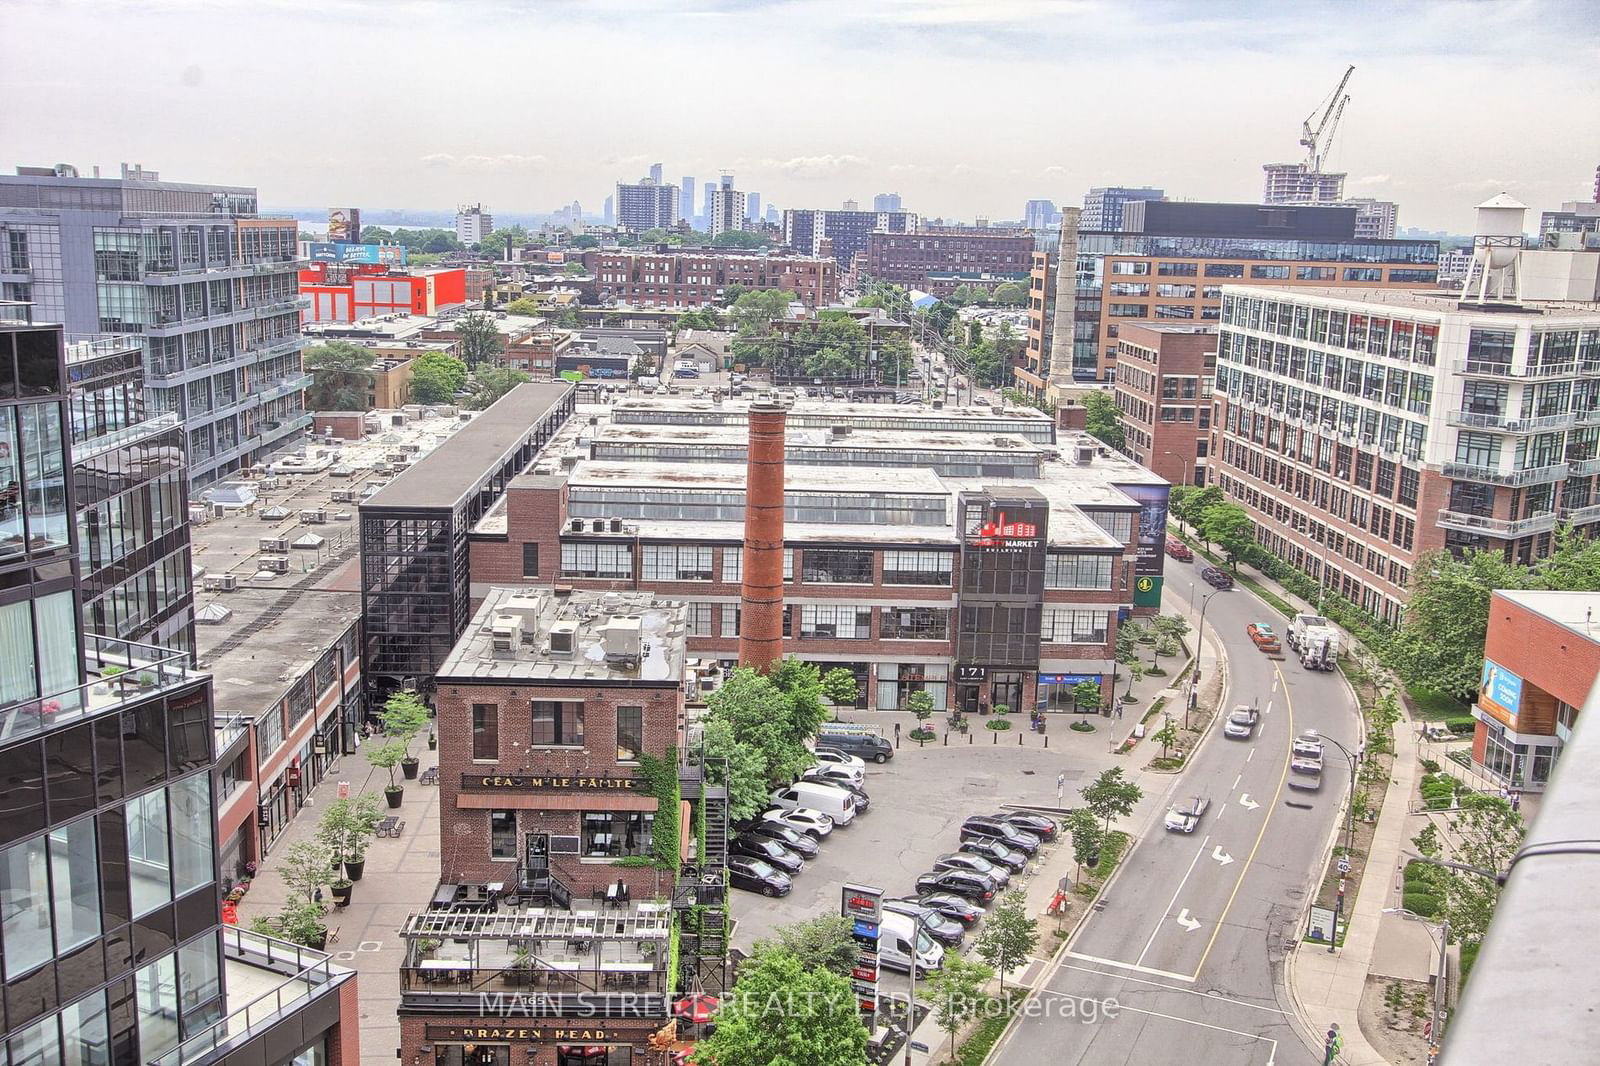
(1395, 338)
(1313, 413)
(601, 834)
(554, 724)
(1393, 386)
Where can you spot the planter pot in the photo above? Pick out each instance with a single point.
(341, 894)
(354, 870)
(318, 942)
(433, 742)
(394, 795)
(408, 769)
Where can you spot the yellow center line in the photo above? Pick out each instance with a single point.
(1222, 919)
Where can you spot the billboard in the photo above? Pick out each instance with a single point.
(384, 254)
(1500, 690)
(1152, 527)
(344, 225)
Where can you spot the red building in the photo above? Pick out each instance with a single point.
(349, 292)
(1164, 377)
(701, 277)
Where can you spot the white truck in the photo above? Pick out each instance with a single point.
(1315, 640)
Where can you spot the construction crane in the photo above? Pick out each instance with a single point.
(1316, 141)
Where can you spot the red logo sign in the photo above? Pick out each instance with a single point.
(998, 531)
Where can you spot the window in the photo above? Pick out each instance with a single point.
(156, 995)
(730, 619)
(597, 560)
(1478, 449)
(616, 834)
(831, 566)
(1270, 272)
(557, 723)
(1224, 270)
(1077, 571)
(1130, 268)
(1128, 310)
(914, 623)
(1064, 625)
(530, 559)
(502, 834)
(193, 861)
(1176, 270)
(733, 565)
(1177, 292)
(1117, 523)
(917, 568)
(149, 868)
(1314, 273)
(826, 621)
(486, 731)
(699, 620)
(1130, 288)
(675, 562)
(630, 733)
(1489, 349)
(1363, 273)
(1385, 484)
(24, 910)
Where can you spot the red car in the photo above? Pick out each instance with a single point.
(1179, 550)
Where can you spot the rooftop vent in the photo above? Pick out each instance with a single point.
(577, 525)
(563, 639)
(616, 525)
(1085, 454)
(624, 639)
(841, 431)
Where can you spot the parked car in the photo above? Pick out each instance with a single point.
(1305, 773)
(976, 887)
(834, 774)
(946, 931)
(1039, 825)
(1242, 723)
(1184, 819)
(1179, 550)
(862, 745)
(997, 853)
(756, 875)
(836, 803)
(965, 860)
(820, 776)
(814, 824)
(836, 757)
(800, 843)
(980, 828)
(960, 908)
(901, 946)
(1217, 579)
(769, 850)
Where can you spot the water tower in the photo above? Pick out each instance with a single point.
(1496, 246)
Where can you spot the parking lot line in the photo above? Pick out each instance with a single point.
(1272, 1048)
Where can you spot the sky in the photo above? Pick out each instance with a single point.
(966, 108)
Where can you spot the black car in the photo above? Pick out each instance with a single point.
(951, 906)
(973, 886)
(965, 860)
(1040, 826)
(866, 746)
(981, 828)
(799, 843)
(756, 875)
(1217, 579)
(945, 930)
(996, 852)
(768, 849)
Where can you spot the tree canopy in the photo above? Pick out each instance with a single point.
(584, 240)
(738, 238)
(1011, 294)
(522, 305)
(1111, 795)
(783, 1014)
(1104, 419)
(481, 340)
(773, 715)
(752, 313)
(340, 373)
(822, 943)
(491, 383)
(436, 378)
(1229, 526)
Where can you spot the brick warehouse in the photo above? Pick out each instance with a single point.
(700, 277)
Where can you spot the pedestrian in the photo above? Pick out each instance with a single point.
(897, 733)
(1516, 801)
(1361, 752)
(1119, 712)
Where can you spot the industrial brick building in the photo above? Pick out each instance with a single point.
(1164, 383)
(338, 292)
(840, 233)
(701, 277)
(984, 257)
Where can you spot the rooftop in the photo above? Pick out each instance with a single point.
(442, 478)
(1577, 611)
(537, 634)
(816, 436)
(1438, 302)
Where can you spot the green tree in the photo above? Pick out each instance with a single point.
(1111, 795)
(703, 318)
(306, 869)
(920, 704)
(770, 720)
(782, 1014)
(574, 270)
(480, 339)
(496, 241)
(1229, 526)
(1009, 935)
(584, 240)
(956, 993)
(1173, 626)
(746, 774)
(442, 242)
(822, 943)
(404, 715)
(1487, 834)
(340, 374)
(1166, 736)
(1104, 419)
(1086, 694)
(386, 757)
(567, 318)
(348, 825)
(376, 235)
(523, 306)
(738, 238)
(1187, 502)
(1083, 827)
(840, 688)
(436, 377)
(491, 383)
(831, 347)
(801, 685)
(895, 359)
(974, 333)
(1447, 618)
(1011, 294)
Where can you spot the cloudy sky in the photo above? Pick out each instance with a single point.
(965, 107)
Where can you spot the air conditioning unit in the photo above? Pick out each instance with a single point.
(317, 517)
(228, 583)
(506, 631)
(277, 564)
(278, 545)
(1085, 454)
(577, 525)
(563, 639)
(624, 639)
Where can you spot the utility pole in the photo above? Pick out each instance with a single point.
(1441, 986)
(911, 996)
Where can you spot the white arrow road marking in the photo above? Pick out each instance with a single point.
(1173, 902)
(1187, 922)
(1247, 803)
(1221, 856)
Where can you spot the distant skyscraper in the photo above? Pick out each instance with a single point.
(886, 201)
(646, 204)
(1375, 219)
(1040, 214)
(705, 209)
(655, 173)
(752, 202)
(772, 214)
(686, 198)
(473, 224)
(610, 210)
(1102, 207)
(1295, 183)
(727, 208)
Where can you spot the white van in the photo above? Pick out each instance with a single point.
(836, 803)
(896, 932)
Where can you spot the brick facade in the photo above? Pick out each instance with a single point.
(909, 258)
(700, 278)
(1164, 392)
(528, 1041)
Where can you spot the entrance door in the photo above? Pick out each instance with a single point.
(1006, 687)
(967, 698)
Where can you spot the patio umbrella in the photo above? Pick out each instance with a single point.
(696, 1009)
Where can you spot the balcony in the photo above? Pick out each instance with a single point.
(1580, 515)
(284, 387)
(1533, 476)
(1582, 467)
(593, 963)
(1481, 369)
(121, 672)
(1505, 423)
(1504, 528)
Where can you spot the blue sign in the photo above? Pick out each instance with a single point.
(1067, 679)
(324, 252)
(1500, 687)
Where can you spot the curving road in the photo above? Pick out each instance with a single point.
(1190, 942)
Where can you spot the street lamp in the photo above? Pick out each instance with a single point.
(1199, 645)
(1349, 838)
(1440, 984)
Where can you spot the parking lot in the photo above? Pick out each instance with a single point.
(919, 800)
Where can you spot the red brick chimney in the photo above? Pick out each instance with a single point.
(761, 597)
(1071, 415)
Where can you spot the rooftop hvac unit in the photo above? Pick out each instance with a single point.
(616, 525)
(577, 525)
(569, 461)
(218, 511)
(938, 403)
(563, 639)
(624, 637)
(316, 517)
(506, 633)
(274, 544)
(841, 431)
(345, 495)
(277, 564)
(1085, 454)
(228, 583)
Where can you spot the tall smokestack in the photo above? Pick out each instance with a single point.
(1063, 326)
(761, 596)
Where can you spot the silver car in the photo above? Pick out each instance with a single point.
(1242, 723)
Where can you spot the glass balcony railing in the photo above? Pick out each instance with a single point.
(120, 672)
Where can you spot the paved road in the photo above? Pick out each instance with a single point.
(1190, 943)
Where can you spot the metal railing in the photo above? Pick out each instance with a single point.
(85, 346)
(311, 972)
(121, 672)
(1542, 522)
(1530, 476)
(1581, 514)
(229, 730)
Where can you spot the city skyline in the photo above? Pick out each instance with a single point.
(1456, 139)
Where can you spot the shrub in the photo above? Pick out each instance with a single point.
(1430, 766)
(922, 734)
(1460, 723)
(1421, 903)
(997, 724)
(1081, 727)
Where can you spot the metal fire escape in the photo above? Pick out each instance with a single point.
(700, 896)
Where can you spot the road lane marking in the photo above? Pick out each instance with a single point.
(1175, 988)
(1173, 902)
(1237, 780)
(1247, 803)
(1252, 755)
(1221, 856)
(1135, 967)
(1188, 923)
(1222, 918)
(1272, 1045)
(1269, 702)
